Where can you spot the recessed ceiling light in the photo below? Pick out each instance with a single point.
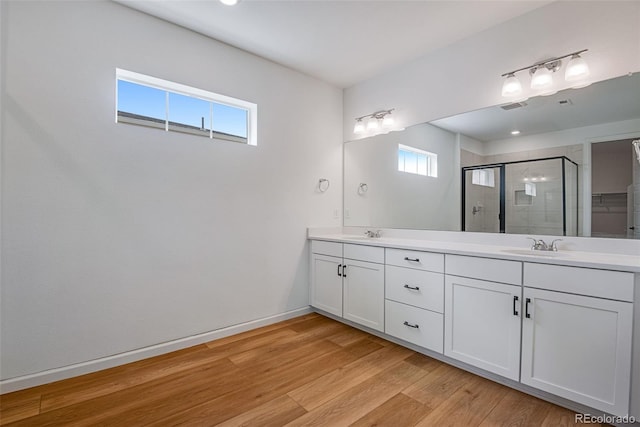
(229, 2)
(515, 132)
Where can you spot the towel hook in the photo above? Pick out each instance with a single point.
(323, 185)
(363, 188)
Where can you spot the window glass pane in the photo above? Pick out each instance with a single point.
(229, 121)
(422, 165)
(189, 115)
(411, 162)
(141, 104)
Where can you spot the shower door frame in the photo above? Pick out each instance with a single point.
(502, 167)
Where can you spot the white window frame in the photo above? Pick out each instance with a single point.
(142, 79)
(431, 160)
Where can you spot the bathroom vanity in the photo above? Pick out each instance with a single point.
(557, 325)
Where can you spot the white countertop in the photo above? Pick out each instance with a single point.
(607, 261)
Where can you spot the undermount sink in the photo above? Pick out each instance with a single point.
(531, 252)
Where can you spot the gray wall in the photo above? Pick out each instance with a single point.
(116, 237)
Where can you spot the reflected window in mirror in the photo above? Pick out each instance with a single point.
(416, 161)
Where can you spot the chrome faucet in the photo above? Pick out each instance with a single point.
(541, 245)
(370, 233)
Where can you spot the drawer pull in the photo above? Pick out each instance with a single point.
(515, 302)
(344, 270)
(412, 259)
(410, 325)
(413, 288)
(526, 308)
(339, 274)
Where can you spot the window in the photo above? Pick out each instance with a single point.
(416, 161)
(149, 101)
(483, 177)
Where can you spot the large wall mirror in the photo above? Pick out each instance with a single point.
(414, 178)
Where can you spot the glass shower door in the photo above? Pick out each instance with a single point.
(535, 197)
(482, 199)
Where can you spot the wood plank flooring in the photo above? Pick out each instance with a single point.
(307, 371)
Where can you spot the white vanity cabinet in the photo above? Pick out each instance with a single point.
(482, 313)
(326, 276)
(565, 330)
(348, 281)
(578, 346)
(414, 292)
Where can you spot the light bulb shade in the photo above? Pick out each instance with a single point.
(542, 79)
(577, 69)
(511, 86)
(388, 120)
(372, 123)
(359, 127)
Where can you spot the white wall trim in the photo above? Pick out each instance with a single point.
(51, 375)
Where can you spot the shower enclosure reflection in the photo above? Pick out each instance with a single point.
(537, 196)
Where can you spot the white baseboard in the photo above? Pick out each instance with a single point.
(51, 375)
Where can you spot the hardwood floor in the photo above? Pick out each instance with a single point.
(307, 371)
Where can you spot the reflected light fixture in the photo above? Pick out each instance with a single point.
(515, 132)
(374, 121)
(229, 2)
(359, 127)
(542, 73)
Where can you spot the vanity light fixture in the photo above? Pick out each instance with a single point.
(374, 121)
(511, 86)
(542, 75)
(577, 69)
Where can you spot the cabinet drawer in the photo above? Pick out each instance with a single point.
(326, 248)
(415, 259)
(401, 284)
(616, 285)
(364, 253)
(494, 270)
(423, 327)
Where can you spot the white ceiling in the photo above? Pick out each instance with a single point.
(340, 42)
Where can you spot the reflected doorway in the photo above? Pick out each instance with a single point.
(612, 204)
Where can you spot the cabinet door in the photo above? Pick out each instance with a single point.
(326, 284)
(364, 293)
(578, 347)
(482, 324)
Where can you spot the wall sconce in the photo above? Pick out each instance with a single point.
(382, 118)
(542, 75)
